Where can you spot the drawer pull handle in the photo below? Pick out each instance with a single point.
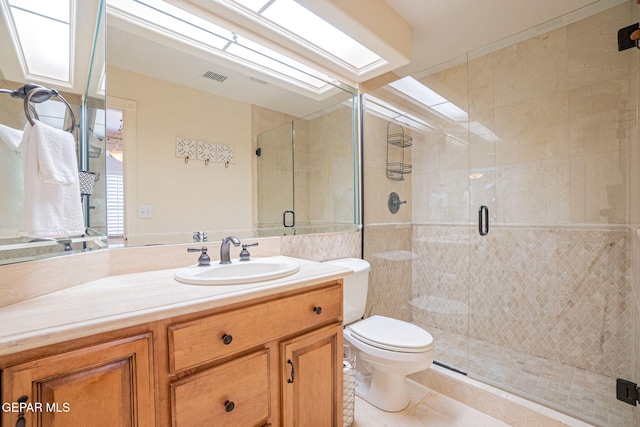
(317, 310)
(229, 405)
(293, 372)
(226, 340)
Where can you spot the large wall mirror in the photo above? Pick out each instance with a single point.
(190, 130)
(213, 134)
(57, 45)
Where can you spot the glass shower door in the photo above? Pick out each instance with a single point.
(276, 216)
(421, 253)
(551, 123)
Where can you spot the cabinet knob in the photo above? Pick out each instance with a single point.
(229, 405)
(317, 310)
(226, 340)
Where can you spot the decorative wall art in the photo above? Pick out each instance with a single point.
(226, 154)
(206, 152)
(186, 148)
(191, 149)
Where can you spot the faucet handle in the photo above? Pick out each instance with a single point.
(199, 236)
(204, 260)
(244, 254)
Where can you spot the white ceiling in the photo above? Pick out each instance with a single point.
(445, 29)
(441, 30)
(134, 52)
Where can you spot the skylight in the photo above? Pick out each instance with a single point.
(421, 93)
(389, 111)
(43, 29)
(180, 21)
(203, 33)
(310, 27)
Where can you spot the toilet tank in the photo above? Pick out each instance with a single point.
(355, 288)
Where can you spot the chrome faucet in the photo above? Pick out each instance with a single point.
(224, 248)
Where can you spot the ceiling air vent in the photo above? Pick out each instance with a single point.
(214, 76)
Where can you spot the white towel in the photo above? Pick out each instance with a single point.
(52, 204)
(12, 192)
(57, 160)
(10, 136)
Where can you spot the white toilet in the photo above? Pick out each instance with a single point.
(387, 349)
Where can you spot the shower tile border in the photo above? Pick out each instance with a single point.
(504, 406)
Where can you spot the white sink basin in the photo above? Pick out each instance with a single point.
(238, 272)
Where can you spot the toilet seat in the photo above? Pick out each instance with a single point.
(392, 334)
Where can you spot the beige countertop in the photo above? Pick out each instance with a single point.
(117, 302)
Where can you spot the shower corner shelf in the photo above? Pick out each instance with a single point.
(397, 168)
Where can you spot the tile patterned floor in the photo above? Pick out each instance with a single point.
(427, 408)
(581, 394)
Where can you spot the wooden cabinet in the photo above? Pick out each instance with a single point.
(104, 385)
(312, 384)
(276, 362)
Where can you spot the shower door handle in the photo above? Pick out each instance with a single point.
(483, 220)
(284, 219)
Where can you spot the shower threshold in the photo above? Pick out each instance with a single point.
(583, 395)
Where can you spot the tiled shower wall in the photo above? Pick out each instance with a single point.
(560, 294)
(388, 250)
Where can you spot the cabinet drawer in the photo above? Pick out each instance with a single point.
(204, 340)
(233, 394)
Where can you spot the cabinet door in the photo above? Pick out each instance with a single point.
(312, 378)
(105, 385)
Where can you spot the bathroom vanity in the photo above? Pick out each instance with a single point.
(142, 349)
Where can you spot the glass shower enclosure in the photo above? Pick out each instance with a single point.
(306, 174)
(517, 247)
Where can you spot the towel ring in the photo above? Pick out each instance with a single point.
(52, 92)
(21, 93)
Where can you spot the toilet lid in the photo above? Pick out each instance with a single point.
(392, 334)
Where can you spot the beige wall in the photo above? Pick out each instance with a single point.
(185, 197)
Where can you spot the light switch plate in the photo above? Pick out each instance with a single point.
(145, 211)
